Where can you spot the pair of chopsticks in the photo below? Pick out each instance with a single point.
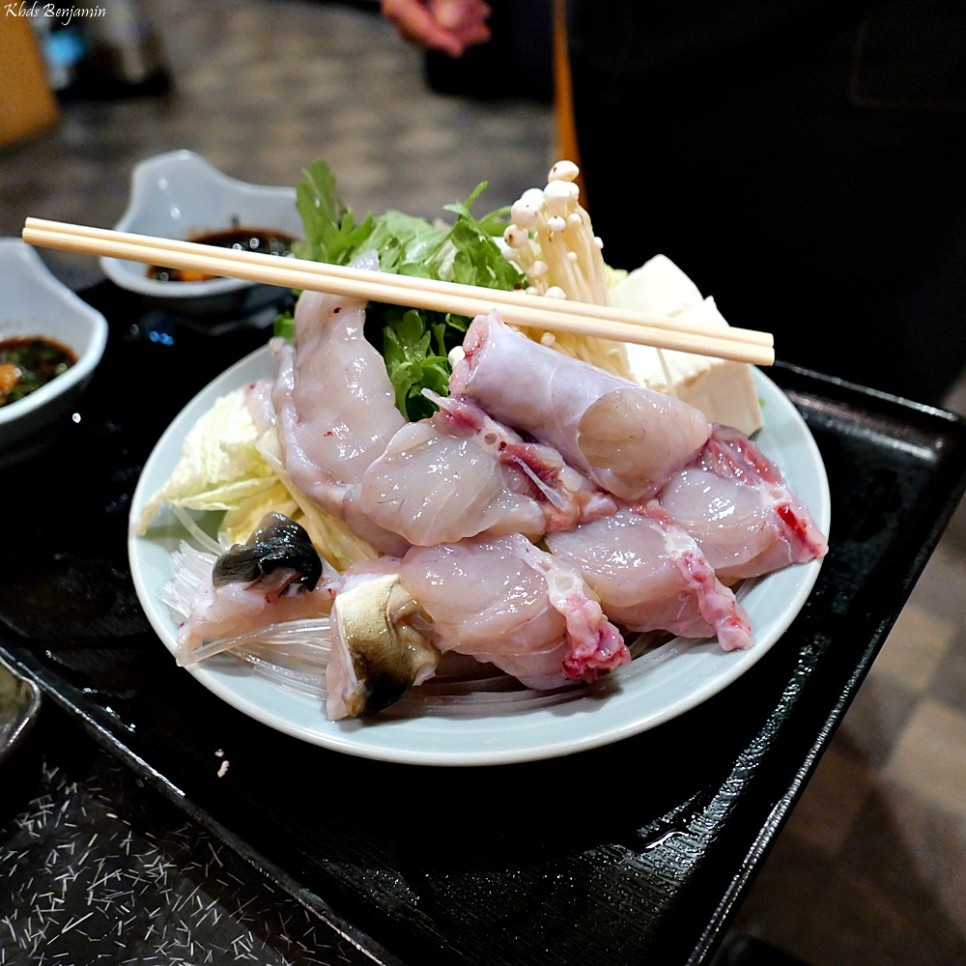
(516, 308)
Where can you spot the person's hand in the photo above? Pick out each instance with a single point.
(447, 25)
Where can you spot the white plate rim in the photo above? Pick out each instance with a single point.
(617, 708)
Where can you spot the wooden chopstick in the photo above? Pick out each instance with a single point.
(751, 336)
(518, 308)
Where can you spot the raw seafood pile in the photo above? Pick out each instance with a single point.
(546, 511)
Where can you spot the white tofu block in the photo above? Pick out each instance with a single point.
(723, 390)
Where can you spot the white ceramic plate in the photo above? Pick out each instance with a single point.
(656, 687)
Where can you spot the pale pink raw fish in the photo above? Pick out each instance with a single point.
(335, 408)
(736, 504)
(652, 576)
(241, 608)
(460, 473)
(506, 602)
(435, 485)
(276, 576)
(625, 438)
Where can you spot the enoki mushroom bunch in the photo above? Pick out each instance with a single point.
(552, 240)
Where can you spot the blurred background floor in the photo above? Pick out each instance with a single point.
(871, 867)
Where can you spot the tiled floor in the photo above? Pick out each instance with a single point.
(871, 867)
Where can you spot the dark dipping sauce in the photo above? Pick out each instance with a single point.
(262, 240)
(29, 362)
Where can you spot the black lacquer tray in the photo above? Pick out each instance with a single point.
(636, 852)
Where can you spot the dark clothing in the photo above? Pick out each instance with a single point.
(804, 162)
(517, 63)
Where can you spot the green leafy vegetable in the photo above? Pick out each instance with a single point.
(414, 342)
(416, 357)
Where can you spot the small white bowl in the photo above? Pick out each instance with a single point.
(181, 195)
(34, 302)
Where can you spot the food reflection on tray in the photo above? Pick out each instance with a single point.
(405, 515)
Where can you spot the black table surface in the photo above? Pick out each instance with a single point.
(636, 852)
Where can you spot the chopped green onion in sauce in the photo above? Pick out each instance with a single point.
(29, 362)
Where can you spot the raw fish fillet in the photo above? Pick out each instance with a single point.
(241, 608)
(335, 408)
(652, 576)
(627, 439)
(460, 473)
(504, 601)
(274, 577)
(736, 504)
